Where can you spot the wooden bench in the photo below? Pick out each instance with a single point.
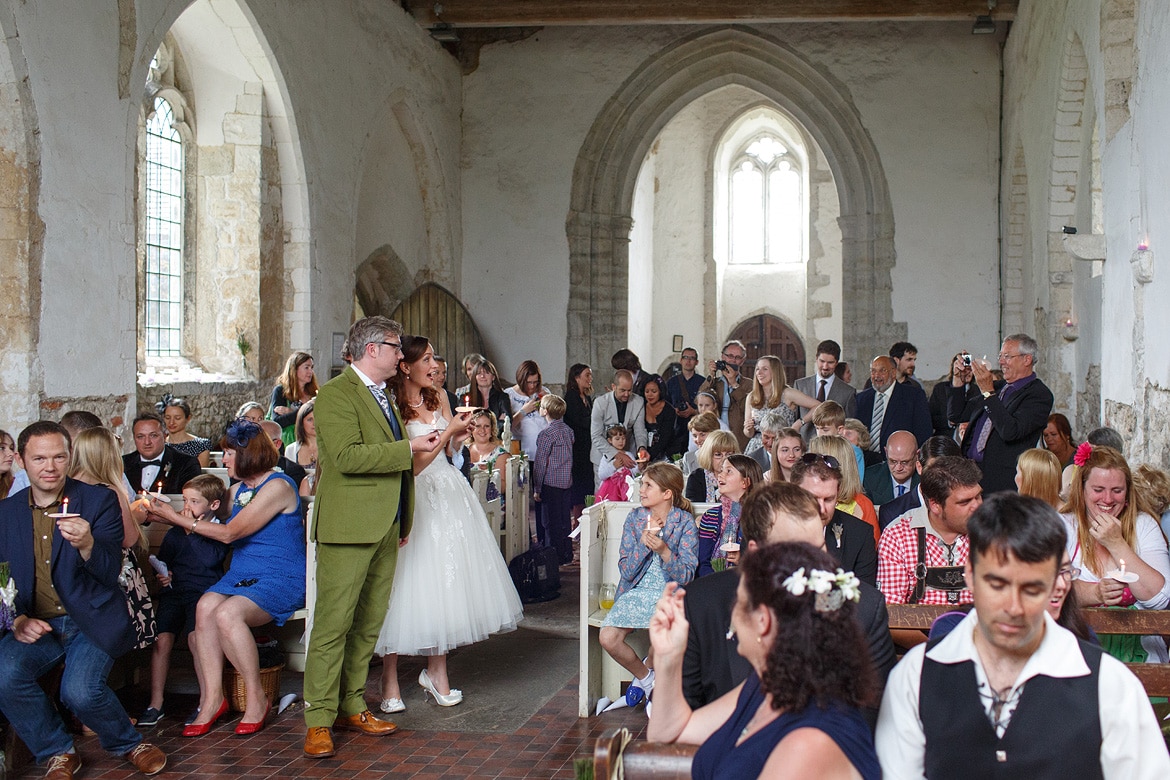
(601, 535)
(1126, 622)
(640, 759)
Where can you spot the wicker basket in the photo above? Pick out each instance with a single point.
(237, 693)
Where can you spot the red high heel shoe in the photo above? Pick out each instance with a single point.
(199, 729)
(245, 729)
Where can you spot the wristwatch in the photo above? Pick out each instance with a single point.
(986, 394)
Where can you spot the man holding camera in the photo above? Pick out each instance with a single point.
(951, 396)
(724, 380)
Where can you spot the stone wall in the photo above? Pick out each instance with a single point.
(213, 404)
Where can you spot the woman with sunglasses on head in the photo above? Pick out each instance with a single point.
(264, 583)
(850, 497)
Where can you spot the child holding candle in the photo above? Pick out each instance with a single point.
(194, 564)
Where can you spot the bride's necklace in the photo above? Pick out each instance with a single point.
(416, 405)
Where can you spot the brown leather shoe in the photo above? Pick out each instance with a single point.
(318, 742)
(147, 759)
(366, 723)
(62, 767)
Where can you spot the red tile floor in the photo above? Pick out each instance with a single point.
(545, 746)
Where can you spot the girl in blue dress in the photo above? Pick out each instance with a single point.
(797, 714)
(658, 546)
(265, 582)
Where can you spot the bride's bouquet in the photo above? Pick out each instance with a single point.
(7, 598)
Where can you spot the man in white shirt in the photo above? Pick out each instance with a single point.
(1073, 711)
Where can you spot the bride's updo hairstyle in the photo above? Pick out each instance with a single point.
(413, 349)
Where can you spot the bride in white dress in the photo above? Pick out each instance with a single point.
(451, 586)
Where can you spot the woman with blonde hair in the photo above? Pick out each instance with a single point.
(1107, 532)
(96, 459)
(703, 483)
(1038, 475)
(1152, 486)
(850, 497)
(770, 392)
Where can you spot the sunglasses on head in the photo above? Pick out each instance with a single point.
(828, 460)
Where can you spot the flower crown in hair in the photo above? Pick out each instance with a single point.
(162, 405)
(241, 431)
(1084, 450)
(832, 590)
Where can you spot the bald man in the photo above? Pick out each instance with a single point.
(888, 405)
(896, 476)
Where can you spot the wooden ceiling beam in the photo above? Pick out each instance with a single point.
(546, 13)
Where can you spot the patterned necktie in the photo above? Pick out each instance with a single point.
(384, 402)
(821, 392)
(875, 425)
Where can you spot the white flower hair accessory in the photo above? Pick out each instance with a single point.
(831, 589)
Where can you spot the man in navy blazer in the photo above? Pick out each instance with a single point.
(905, 405)
(1010, 416)
(69, 606)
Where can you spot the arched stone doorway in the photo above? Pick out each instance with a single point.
(766, 334)
(433, 312)
(606, 172)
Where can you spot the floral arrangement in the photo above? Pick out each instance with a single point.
(7, 599)
(1084, 450)
(831, 589)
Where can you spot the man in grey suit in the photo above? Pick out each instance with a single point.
(825, 385)
(619, 406)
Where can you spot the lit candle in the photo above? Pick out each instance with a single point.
(467, 399)
(158, 487)
(1122, 563)
(1143, 245)
(65, 506)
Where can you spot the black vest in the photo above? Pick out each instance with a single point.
(1055, 730)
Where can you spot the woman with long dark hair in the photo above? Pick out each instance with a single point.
(451, 587)
(578, 416)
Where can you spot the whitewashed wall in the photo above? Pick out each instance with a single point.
(927, 94)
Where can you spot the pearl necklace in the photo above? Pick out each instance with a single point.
(417, 405)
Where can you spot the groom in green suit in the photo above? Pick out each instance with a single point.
(364, 507)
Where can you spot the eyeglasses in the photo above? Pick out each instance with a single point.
(396, 344)
(734, 355)
(828, 460)
(1069, 572)
(902, 463)
(689, 357)
(1003, 357)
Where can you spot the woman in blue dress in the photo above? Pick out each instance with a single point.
(658, 546)
(265, 582)
(797, 714)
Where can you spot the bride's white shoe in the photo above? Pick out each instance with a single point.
(390, 706)
(444, 700)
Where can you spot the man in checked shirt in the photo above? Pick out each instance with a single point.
(552, 478)
(921, 555)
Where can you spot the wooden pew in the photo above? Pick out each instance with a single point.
(639, 759)
(1128, 622)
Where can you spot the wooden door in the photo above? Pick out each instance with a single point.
(433, 312)
(765, 334)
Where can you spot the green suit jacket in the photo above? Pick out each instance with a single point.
(364, 471)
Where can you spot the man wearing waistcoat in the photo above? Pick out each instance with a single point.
(1009, 693)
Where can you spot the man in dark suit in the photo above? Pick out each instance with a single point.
(935, 447)
(69, 607)
(825, 385)
(951, 395)
(778, 512)
(849, 539)
(895, 476)
(153, 461)
(1010, 416)
(887, 406)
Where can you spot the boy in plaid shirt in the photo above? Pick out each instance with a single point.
(553, 477)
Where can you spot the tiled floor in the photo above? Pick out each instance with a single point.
(545, 747)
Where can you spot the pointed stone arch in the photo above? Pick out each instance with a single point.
(606, 170)
(383, 282)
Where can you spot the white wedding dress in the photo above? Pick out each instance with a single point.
(451, 586)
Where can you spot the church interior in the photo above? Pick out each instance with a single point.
(192, 189)
(554, 181)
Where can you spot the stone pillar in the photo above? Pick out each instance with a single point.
(599, 261)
